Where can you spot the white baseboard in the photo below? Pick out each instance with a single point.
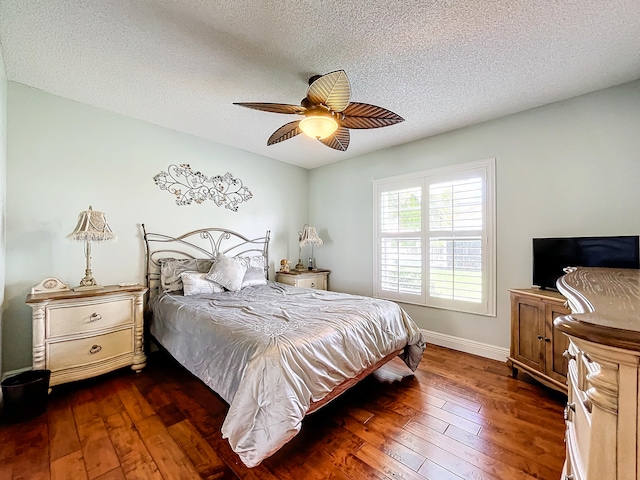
(467, 346)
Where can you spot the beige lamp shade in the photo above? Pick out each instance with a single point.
(92, 227)
(310, 237)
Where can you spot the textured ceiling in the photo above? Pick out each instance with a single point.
(441, 64)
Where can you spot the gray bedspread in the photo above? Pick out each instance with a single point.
(271, 350)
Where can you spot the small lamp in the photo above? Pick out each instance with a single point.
(92, 227)
(309, 236)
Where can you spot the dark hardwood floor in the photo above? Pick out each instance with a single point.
(459, 417)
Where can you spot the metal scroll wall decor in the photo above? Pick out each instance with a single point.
(189, 186)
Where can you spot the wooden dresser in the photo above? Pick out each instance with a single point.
(78, 335)
(603, 410)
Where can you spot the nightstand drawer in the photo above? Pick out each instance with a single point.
(286, 279)
(316, 279)
(82, 351)
(86, 317)
(317, 283)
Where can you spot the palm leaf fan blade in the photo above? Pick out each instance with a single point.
(332, 90)
(285, 132)
(339, 140)
(273, 107)
(363, 115)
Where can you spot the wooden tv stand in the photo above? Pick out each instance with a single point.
(537, 346)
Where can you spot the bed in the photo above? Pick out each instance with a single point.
(273, 352)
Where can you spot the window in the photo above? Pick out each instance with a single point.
(435, 238)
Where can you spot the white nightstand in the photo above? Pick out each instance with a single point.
(78, 335)
(317, 279)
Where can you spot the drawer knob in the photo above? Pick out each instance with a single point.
(568, 410)
(95, 317)
(540, 337)
(547, 339)
(568, 355)
(95, 349)
(313, 284)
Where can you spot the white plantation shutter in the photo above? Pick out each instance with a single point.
(455, 239)
(401, 240)
(435, 238)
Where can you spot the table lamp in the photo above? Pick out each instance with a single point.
(309, 236)
(92, 227)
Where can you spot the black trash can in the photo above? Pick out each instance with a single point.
(25, 395)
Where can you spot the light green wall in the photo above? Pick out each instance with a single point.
(570, 168)
(3, 187)
(64, 156)
(566, 169)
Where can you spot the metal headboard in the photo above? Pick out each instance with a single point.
(203, 243)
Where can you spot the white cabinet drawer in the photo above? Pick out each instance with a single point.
(287, 279)
(317, 283)
(82, 351)
(311, 279)
(66, 319)
(572, 470)
(578, 429)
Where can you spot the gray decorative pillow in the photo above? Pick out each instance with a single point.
(195, 283)
(228, 272)
(255, 274)
(171, 268)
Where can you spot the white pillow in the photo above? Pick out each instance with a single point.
(228, 272)
(195, 283)
(255, 274)
(171, 268)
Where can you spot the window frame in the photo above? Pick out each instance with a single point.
(486, 170)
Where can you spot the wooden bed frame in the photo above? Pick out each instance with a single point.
(207, 243)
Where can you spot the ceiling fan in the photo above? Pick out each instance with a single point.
(328, 113)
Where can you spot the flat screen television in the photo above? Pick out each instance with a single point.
(552, 255)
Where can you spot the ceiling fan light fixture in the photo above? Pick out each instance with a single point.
(318, 126)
